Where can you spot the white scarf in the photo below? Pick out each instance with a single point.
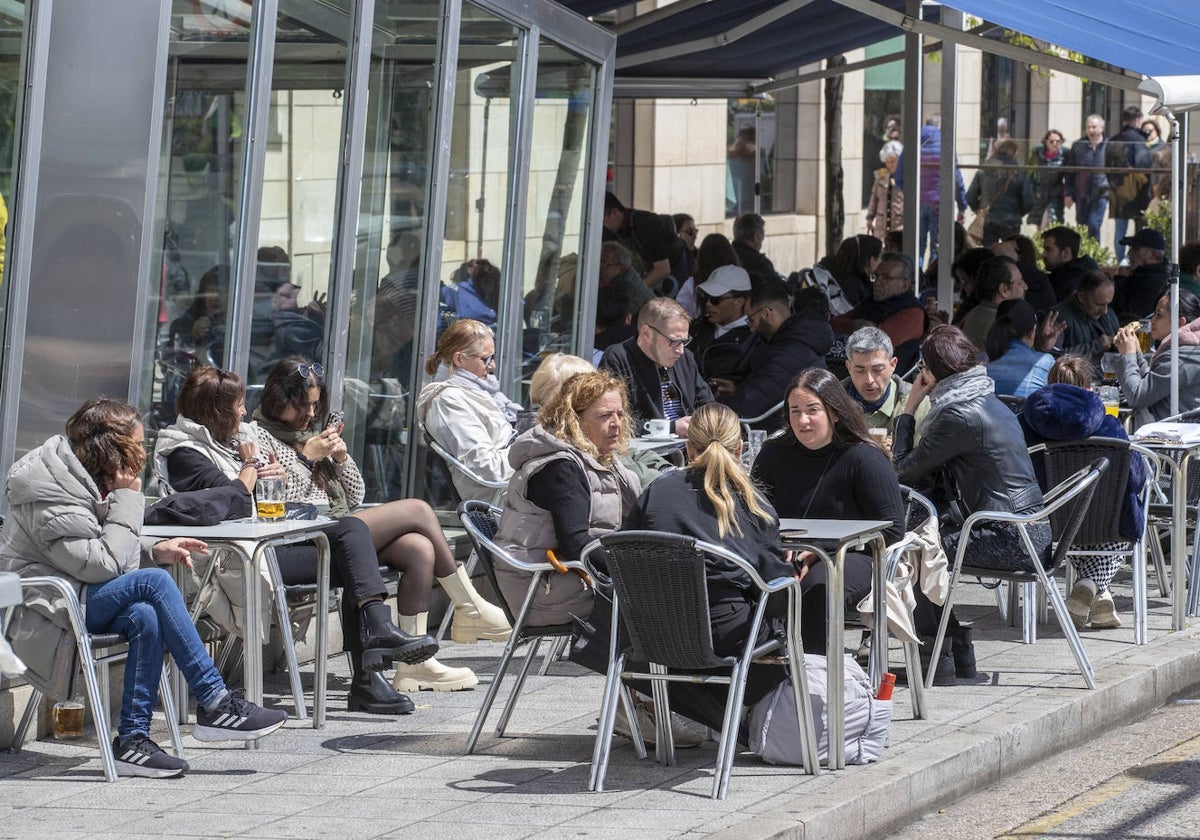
(491, 387)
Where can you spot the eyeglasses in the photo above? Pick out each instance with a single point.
(879, 277)
(487, 360)
(315, 369)
(758, 311)
(673, 343)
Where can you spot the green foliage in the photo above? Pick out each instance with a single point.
(1158, 217)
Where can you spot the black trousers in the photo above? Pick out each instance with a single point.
(353, 565)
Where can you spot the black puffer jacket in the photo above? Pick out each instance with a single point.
(980, 444)
(770, 363)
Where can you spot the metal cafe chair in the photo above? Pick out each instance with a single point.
(660, 596)
(481, 521)
(1066, 506)
(95, 652)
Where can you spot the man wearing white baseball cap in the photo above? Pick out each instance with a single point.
(721, 334)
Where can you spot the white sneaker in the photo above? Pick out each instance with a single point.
(1079, 602)
(681, 734)
(1104, 612)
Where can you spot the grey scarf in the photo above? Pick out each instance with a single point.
(490, 387)
(967, 386)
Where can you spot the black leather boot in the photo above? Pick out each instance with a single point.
(383, 642)
(964, 652)
(371, 692)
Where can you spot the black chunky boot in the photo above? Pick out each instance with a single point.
(964, 652)
(372, 693)
(383, 642)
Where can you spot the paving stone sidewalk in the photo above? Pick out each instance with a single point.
(364, 776)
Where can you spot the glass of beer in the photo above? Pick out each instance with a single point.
(1111, 397)
(68, 720)
(269, 500)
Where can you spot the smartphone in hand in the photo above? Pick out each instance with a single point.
(335, 420)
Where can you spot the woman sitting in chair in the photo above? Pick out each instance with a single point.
(405, 532)
(75, 512)
(976, 441)
(568, 488)
(209, 446)
(466, 412)
(714, 500)
(1067, 410)
(826, 465)
(1146, 379)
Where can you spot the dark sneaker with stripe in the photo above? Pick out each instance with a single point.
(139, 756)
(236, 719)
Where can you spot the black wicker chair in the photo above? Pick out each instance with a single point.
(481, 521)
(1066, 507)
(1101, 525)
(660, 597)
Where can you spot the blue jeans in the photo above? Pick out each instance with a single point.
(1092, 215)
(928, 233)
(145, 607)
(1120, 229)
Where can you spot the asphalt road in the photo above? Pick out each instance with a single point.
(1140, 781)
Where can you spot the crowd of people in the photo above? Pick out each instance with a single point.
(862, 381)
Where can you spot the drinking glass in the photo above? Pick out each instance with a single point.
(269, 499)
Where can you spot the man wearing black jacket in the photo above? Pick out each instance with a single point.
(1060, 249)
(658, 369)
(785, 344)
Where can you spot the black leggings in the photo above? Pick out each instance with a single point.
(353, 565)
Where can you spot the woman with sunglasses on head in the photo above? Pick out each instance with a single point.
(292, 430)
(209, 446)
(466, 412)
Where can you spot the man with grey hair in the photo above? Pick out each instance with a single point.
(892, 307)
(873, 382)
(749, 230)
(659, 371)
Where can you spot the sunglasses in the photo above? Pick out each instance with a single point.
(675, 343)
(315, 369)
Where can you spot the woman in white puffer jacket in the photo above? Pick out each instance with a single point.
(466, 413)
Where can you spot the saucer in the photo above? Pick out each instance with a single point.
(660, 438)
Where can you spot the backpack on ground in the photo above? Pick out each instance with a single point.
(775, 735)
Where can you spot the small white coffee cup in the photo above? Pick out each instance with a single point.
(657, 427)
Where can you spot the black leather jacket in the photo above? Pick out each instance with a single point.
(980, 444)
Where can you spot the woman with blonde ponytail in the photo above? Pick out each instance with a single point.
(714, 500)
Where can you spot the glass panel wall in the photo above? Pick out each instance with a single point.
(558, 167)
(200, 182)
(299, 198)
(479, 194)
(389, 293)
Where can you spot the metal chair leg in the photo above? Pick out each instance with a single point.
(284, 617)
(1160, 563)
(31, 709)
(1140, 607)
(517, 686)
(1069, 632)
(916, 680)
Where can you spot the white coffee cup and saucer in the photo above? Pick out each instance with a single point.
(658, 429)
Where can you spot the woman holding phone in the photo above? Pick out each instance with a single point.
(405, 532)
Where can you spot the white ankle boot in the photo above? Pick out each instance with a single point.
(429, 675)
(474, 618)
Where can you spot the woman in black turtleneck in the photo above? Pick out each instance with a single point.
(826, 466)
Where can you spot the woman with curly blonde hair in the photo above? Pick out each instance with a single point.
(569, 487)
